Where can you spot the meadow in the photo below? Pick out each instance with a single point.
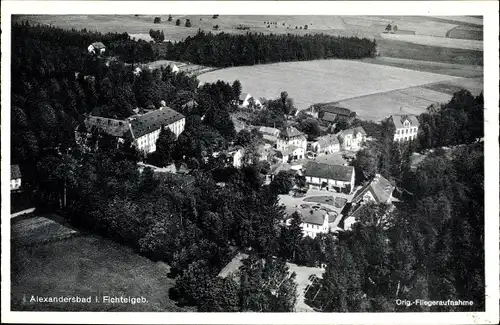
(452, 69)
(444, 29)
(322, 80)
(466, 44)
(362, 25)
(84, 265)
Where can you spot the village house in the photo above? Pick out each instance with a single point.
(142, 129)
(328, 113)
(269, 135)
(15, 177)
(352, 139)
(96, 48)
(329, 177)
(234, 155)
(378, 191)
(291, 144)
(265, 152)
(246, 100)
(316, 219)
(326, 144)
(406, 127)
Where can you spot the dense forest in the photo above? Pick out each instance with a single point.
(227, 50)
(56, 82)
(431, 247)
(456, 122)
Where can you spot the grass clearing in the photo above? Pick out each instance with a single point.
(455, 43)
(321, 80)
(474, 85)
(457, 70)
(404, 50)
(84, 266)
(375, 107)
(466, 33)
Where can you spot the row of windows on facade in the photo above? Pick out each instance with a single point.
(312, 226)
(153, 136)
(411, 137)
(316, 180)
(406, 131)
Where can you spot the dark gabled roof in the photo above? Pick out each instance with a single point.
(112, 127)
(15, 172)
(329, 117)
(335, 172)
(290, 132)
(243, 96)
(380, 188)
(332, 108)
(313, 216)
(98, 45)
(153, 120)
(398, 120)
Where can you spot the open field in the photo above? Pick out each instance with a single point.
(378, 106)
(31, 231)
(474, 85)
(466, 33)
(85, 266)
(455, 43)
(321, 80)
(404, 50)
(362, 26)
(365, 25)
(413, 100)
(457, 70)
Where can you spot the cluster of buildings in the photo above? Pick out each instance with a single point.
(285, 149)
(141, 129)
(323, 212)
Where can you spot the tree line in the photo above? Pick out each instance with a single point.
(456, 122)
(226, 50)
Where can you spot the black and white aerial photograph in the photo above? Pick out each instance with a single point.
(246, 163)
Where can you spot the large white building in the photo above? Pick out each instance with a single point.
(329, 177)
(406, 127)
(142, 129)
(352, 139)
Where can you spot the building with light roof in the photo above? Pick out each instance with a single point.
(406, 127)
(352, 139)
(142, 129)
